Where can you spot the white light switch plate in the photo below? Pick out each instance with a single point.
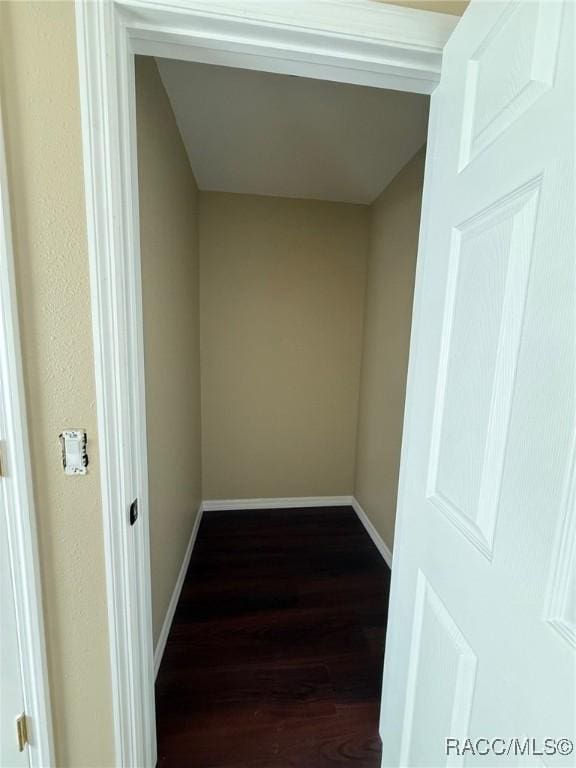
(74, 456)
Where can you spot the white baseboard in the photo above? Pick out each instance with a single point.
(372, 532)
(291, 502)
(161, 644)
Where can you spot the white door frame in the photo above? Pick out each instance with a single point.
(351, 41)
(17, 493)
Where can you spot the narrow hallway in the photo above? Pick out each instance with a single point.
(275, 656)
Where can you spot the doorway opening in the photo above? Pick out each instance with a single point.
(493, 214)
(279, 221)
(364, 44)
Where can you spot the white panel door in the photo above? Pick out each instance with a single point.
(11, 688)
(481, 639)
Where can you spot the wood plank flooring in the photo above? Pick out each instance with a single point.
(275, 655)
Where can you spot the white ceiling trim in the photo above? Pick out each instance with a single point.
(354, 41)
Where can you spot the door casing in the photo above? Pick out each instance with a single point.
(351, 41)
(18, 500)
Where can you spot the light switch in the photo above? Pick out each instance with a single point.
(74, 455)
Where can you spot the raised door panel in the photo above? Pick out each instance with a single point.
(561, 599)
(509, 71)
(441, 681)
(485, 297)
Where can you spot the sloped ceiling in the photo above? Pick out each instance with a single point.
(267, 134)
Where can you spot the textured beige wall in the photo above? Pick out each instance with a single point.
(454, 7)
(282, 289)
(394, 225)
(169, 246)
(42, 120)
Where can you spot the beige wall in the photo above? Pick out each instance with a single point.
(454, 7)
(282, 289)
(394, 225)
(169, 247)
(42, 121)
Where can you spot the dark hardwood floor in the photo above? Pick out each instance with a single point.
(275, 655)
